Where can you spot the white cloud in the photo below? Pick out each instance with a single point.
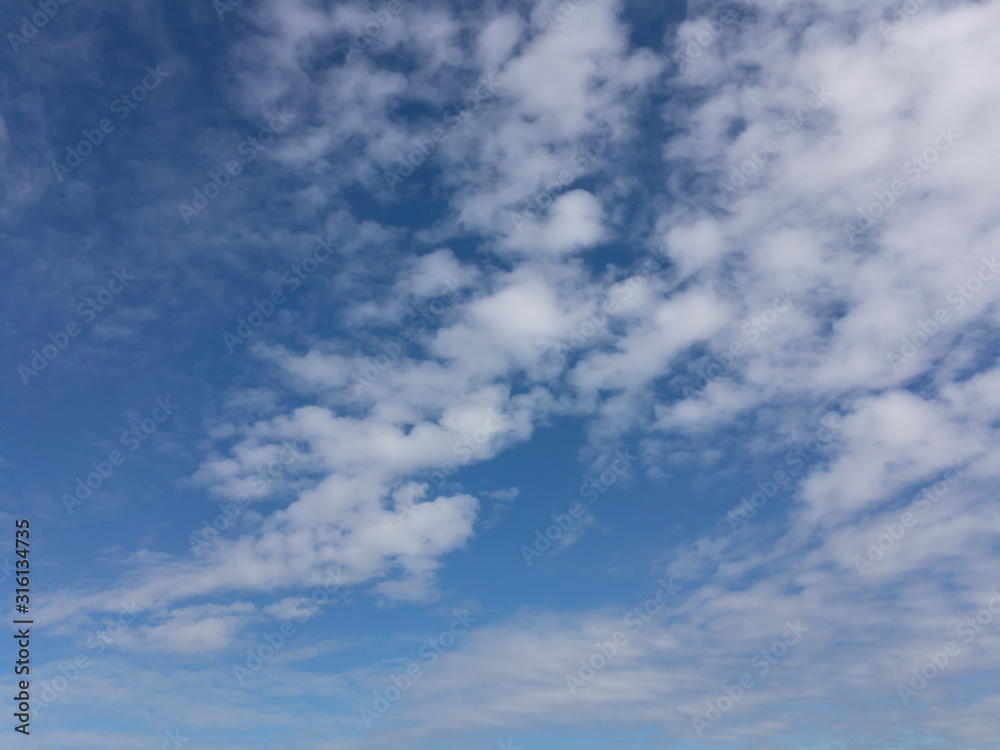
(190, 630)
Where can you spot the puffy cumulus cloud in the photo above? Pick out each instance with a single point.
(573, 223)
(892, 441)
(695, 244)
(432, 274)
(359, 515)
(423, 293)
(521, 314)
(644, 353)
(350, 102)
(804, 178)
(565, 101)
(498, 38)
(788, 173)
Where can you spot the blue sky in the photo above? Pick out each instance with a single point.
(544, 375)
